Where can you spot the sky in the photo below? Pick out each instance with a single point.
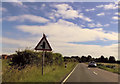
(72, 28)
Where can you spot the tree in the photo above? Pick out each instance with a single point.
(102, 58)
(75, 58)
(118, 61)
(106, 59)
(112, 59)
(67, 59)
(83, 59)
(89, 58)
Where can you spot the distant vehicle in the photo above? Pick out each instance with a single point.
(92, 64)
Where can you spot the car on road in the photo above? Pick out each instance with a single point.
(92, 64)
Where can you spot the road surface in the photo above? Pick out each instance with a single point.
(82, 73)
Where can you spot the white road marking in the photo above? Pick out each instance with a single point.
(88, 68)
(69, 75)
(95, 73)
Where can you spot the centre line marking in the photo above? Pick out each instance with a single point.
(95, 73)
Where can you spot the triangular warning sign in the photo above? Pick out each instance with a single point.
(43, 44)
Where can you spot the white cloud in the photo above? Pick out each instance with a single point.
(82, 25)
(113, 22)
(97, 25)
(18, 42)
(43, 5)
(90, 9)
(28, 17)
(101, 14)
(63, 29)
(100, 6)
(84, 17)
(91, 25)
(67, 49)
(60, 34)
(117, 13)
(18, 4)
(81, 49)
(8, 50)
(115, 18)
(108, 6)
(67, 12)
(63, 6)
(106, 25)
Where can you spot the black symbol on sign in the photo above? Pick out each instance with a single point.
(43, 45)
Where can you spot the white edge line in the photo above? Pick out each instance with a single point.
(69, 75)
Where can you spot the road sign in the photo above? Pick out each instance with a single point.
(43, 44)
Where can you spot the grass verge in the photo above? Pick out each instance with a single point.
(52, 73)
(107, 66)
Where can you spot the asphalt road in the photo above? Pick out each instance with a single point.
(82, 73)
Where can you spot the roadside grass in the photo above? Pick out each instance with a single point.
(115, 69)
(52, 73)
(86, 63)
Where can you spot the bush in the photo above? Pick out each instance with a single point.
(29, 57)
(26, 57)
(58, 59)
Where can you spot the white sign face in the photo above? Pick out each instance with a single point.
(43, 45)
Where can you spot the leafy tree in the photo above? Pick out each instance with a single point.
(75, 59)
(67, 59)
(106, 59)
(102, 58)
(89, 58)
(83, 59)
(112, 59)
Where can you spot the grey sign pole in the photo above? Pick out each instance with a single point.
(43, 61)
(43, 46)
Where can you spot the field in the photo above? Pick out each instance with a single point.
(52, 73)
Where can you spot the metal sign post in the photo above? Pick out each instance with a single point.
(43, 61)
(44, 46)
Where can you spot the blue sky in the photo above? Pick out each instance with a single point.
(72, 28)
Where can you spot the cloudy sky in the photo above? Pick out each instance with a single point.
(72, 28)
